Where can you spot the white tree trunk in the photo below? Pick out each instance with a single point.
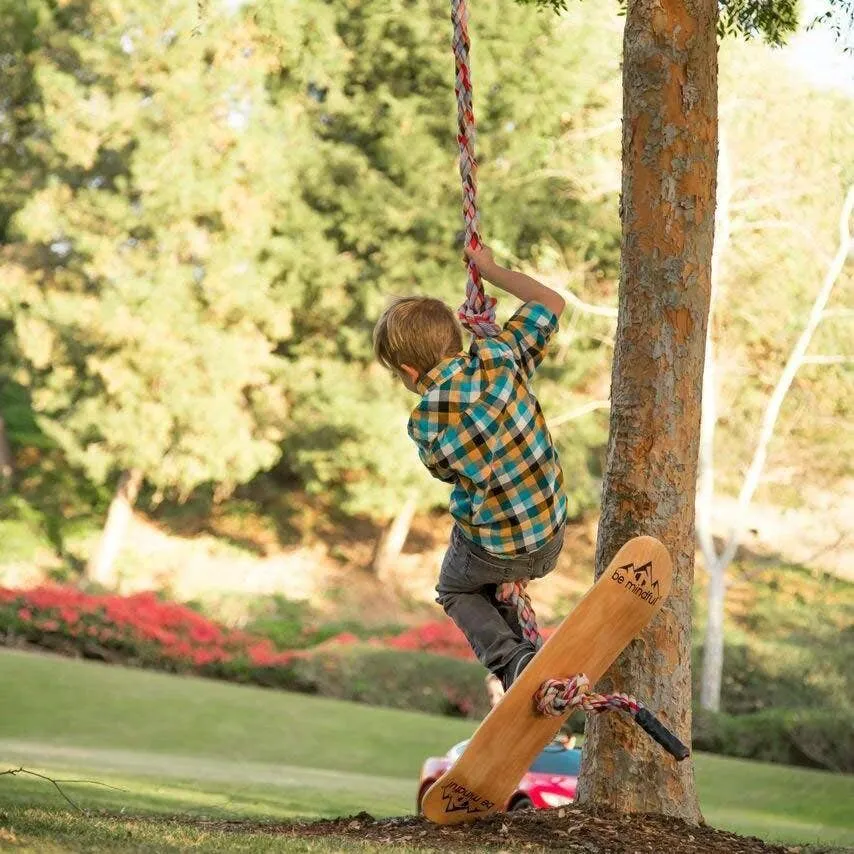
(102, 565)
(713, 642)
(718, 562)
(794, 362)
(393, 540)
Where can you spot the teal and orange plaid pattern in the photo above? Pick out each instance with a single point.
(479, 427)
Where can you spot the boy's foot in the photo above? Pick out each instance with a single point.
(516, 665)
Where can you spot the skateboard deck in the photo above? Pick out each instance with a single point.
(612, 613)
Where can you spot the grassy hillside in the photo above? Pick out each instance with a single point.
(183, 745)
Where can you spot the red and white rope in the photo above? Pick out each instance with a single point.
(556, 697)
(516, 593)
(477, 313)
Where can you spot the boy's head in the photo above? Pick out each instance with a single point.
(413, 335)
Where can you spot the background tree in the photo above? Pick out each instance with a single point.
(668, 202)
(669, 153)
(386, 185)
(764, 228)
(146, 279)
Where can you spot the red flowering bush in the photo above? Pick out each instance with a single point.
(440, 638)
(140, 629)
(429, 668)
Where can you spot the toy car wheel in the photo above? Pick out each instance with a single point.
(522, 803)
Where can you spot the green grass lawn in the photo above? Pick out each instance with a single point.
(203, 749)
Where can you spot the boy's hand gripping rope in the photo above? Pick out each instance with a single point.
(477, 313)
(557, 697)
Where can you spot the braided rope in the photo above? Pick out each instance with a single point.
(477, 313)
(516, 593)
(556, 697)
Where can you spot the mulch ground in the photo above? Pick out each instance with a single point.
(567, 829)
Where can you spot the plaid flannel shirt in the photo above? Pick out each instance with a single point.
(479, 427)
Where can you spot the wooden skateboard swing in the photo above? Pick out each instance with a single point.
(612, 613)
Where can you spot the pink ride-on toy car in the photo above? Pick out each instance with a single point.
(550, 781)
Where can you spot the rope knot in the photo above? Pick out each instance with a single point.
(557, 697)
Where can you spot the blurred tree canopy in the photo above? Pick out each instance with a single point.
(203, 217)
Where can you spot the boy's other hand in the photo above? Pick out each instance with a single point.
(482, 257)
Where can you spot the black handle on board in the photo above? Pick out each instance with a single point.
(650, 724)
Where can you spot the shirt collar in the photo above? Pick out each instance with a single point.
(438, 373)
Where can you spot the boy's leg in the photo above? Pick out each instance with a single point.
(469, 600)
(543, 561)
(493, 641)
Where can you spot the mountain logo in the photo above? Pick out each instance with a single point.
(639, 580)
(458, 798)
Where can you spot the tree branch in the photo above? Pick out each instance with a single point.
(795, 360)
(16, 771)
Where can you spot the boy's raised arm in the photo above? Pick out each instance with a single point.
(518, 284)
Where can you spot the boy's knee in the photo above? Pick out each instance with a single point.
(446, 599)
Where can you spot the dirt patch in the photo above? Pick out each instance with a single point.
(567, 829)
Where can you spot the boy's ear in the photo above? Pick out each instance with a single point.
(410, 372)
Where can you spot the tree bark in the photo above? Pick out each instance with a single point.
(102, 565)
(393, 540)
(669, 166)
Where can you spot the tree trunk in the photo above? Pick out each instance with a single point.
(713, 641)
(7, 461)
(393, 539)
(716, 562)
(669, 164)
(102, 566)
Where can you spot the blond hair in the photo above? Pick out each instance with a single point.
(416, 331)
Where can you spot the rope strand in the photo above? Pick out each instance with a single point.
(556, 697)
(477, 313)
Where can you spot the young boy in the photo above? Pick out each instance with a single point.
(479, 427)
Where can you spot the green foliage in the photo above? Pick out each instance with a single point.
(773, 20)
(203, 219)
(812, 738)
(400, 680)
(22, 23)
(213, 222)
(389, 192)
(142, 280)
(295, 625)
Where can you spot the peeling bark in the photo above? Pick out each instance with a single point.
(669, 166)
(102, 566)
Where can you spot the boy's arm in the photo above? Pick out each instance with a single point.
(518, 284)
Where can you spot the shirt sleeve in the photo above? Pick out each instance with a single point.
(527, 333)
(438, 468)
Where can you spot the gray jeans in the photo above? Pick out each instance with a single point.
(467, 586)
